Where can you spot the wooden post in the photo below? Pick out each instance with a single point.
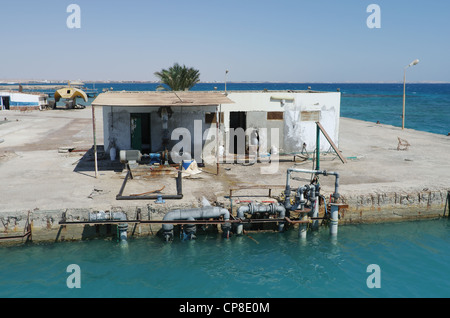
(217, 138)
(321, 129)
(95, 142)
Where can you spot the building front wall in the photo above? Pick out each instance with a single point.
(286, 120)
(300, 112)
(184, 123)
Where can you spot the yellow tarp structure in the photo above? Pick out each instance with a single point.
(70, 93)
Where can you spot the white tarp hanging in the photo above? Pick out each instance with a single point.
(292, 127)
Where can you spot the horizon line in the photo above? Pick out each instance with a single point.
(18, 81)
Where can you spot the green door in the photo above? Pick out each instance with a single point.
(136, 131)
(140, 132)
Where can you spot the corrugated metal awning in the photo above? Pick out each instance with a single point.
(169, 98)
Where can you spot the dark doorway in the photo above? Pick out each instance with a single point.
(5, 102)
(140, 132)
(237, 120)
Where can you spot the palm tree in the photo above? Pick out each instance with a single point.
(179, 78)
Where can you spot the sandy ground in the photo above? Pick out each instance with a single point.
(36, 173)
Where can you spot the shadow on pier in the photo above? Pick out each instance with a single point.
(87, 162)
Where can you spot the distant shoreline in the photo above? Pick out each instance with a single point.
(16, 82)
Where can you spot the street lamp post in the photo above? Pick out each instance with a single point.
(226, 72)
(415, 62)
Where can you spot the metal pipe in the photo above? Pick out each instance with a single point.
(194, 214)
(323, 172)
(121, 217)
(260, 208)
(122, 227)
(334, 220)
(302, 230)
(189, 230)
(315, 210)
(240, 215)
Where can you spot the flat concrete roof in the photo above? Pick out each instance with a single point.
(168, 98)
(25, 93)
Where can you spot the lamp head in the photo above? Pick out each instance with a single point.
(415, 62)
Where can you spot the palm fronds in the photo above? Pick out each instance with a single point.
(179, 78)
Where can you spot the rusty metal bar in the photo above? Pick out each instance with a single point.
(124, 183)
(249, 221)
(331, 143)
(98, 222)
(447, 205)
(16, 236)
(179, 194)
(27, 231)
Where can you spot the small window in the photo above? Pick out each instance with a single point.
(310, 116)
(275, 115)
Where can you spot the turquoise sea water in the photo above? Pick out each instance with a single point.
(413, 258)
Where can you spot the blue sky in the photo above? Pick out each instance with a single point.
(256, 40)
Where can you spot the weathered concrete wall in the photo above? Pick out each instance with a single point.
(393, 206)
(369, 208)
(258, 120)
(295, 130)
(117, 126)
(46, 228)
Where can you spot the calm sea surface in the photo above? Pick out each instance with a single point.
(413, 259)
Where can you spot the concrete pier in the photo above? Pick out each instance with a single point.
(47, 172)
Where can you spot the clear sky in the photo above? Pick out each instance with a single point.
(256, 40)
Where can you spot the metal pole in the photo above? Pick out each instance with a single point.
(225, 81)
(317, 147)
(415, 62)
(95, 142)
(404, 97)
(217, 139)
(447, 205)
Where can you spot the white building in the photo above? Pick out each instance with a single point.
(154, 121)
(293, 114)
(10, 100)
